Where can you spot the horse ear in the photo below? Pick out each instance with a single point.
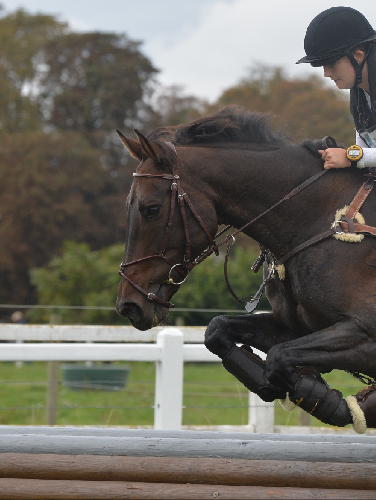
(147, 147)
(134, 147)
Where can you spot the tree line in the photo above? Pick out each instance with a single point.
(64, 176)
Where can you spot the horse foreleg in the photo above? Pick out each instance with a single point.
(257, 330)
(343, 346)
(260, 331)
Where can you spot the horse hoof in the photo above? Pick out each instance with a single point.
(362, 407)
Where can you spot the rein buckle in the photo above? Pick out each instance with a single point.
(335, 224)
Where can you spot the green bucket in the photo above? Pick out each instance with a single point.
(103, 377)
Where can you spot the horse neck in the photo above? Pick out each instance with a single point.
(243, 184)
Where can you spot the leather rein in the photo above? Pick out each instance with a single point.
(187, 265)
(345, 225)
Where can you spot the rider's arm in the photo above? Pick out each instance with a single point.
(369, 154)
(337, 157)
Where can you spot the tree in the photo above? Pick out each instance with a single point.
(63, 171)
(79, 81)
(52, 188)
(305, 107)
(79, 277)
(94, 81)
(22, 37)
(173, 107)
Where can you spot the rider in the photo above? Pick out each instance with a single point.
(342, 41)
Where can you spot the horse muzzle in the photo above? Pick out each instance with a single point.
(137, 315)
(143, 311)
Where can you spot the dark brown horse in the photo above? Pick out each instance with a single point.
(229, 168)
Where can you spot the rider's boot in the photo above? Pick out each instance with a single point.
(363, 409)
(249, 369)
(313, 395)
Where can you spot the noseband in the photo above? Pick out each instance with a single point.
(184, 267)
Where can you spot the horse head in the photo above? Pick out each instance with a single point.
(164, 231)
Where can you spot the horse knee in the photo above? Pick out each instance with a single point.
(279, 365)
(216, 337)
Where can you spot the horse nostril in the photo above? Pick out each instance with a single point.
(127, 308)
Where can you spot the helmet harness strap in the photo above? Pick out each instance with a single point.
(358, 66)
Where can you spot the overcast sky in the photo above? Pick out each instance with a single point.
(204, 45)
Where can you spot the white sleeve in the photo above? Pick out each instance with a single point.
(360, 142)
(369, 154)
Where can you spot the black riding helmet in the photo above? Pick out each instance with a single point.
(333, 34)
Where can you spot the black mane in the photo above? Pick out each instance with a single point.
(230, 124)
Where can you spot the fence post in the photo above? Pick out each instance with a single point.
(53, 381)
(169, 381)
(260, 414)
(52, 392)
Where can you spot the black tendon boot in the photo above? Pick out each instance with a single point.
(363, 409)
(249, 369)
(313, 395)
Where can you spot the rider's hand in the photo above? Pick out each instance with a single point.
(335, 158)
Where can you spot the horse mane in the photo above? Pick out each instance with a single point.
(313, 147)
(230, 124)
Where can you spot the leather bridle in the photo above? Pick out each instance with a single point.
(183, 201)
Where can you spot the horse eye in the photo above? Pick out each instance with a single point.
(152, 211)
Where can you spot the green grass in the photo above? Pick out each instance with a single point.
(211, 397)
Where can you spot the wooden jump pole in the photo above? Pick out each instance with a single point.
(125, 432)
(189, 470)
(164, 465)
(251, 449)
(35, 489)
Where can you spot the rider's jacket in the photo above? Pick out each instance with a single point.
(363, 109)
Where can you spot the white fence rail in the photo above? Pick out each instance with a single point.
(91, 333)
(169, 348)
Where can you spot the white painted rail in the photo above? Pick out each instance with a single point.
(169, 348)
(92, 333)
